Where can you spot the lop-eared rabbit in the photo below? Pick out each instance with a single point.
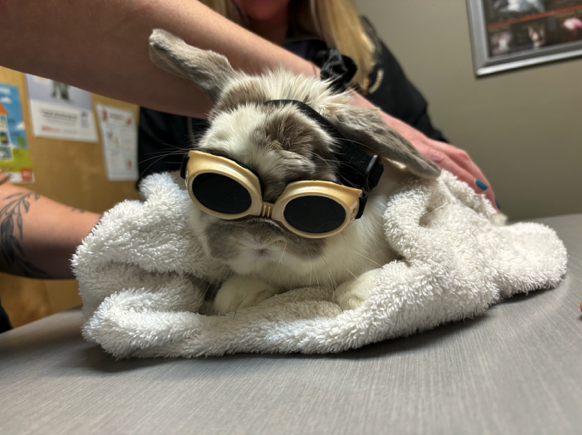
(286, 128)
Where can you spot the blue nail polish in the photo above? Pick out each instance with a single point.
(481, 185)
(497, 204)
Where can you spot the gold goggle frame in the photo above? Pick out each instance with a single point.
(204, 163)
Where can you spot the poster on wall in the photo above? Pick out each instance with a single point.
(509, 34)
(119, 138)
(60, 111)
(14, 153)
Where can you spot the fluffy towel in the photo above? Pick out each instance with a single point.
(142, 274)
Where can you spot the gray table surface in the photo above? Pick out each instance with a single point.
(516, 369)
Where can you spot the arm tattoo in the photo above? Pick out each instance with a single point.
(11, 235)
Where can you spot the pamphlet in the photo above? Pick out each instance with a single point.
(14, 153)
(119, 137)
(60, 111)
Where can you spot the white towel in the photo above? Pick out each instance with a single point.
(142, 273)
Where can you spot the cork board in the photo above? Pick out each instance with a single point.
(74, 174)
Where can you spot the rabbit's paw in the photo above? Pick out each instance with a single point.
(352, 293)
(241, 291)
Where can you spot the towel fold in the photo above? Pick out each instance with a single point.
(143, 274)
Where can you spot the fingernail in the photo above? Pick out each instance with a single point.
(481, 185)
(497, 204)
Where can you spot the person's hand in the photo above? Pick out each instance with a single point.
(454, 160)
(446, 156)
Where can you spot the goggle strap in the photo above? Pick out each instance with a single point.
(373, 172)
(183, 165)
(362, 205)
(361, 171)
(357, 168)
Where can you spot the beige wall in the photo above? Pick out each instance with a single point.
(523, 127)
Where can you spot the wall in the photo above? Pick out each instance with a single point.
(523, 127)
(69, 172)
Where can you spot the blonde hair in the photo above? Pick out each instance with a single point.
(337, 22)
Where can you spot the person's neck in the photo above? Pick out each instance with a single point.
(274, 30)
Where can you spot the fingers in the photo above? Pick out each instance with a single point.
(476, 179)
(459, 163)
(446, 157)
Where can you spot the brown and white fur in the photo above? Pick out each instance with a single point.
(281, 145)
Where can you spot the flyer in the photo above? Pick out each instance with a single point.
(119, 137)
(14, 152)
(60, 111)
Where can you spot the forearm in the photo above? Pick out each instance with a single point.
(38, 236)
(102, 46)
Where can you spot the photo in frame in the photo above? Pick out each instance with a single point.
(508, 34)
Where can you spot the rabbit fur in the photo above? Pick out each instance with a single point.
(281, 144)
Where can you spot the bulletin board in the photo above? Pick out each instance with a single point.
(73, 173)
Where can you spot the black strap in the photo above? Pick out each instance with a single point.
(357, 168)
(184, 164)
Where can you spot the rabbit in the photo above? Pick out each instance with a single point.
(281, 144)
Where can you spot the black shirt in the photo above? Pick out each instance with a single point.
(4, 320)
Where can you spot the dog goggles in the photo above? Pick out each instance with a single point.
(312, 209)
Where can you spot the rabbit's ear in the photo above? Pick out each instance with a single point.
(209, 70)
(366, 127)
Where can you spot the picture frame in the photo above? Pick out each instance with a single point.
(508, 34)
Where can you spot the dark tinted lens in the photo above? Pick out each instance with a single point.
(314, 214)
(220, 193)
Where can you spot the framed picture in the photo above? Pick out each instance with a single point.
(509, 34)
